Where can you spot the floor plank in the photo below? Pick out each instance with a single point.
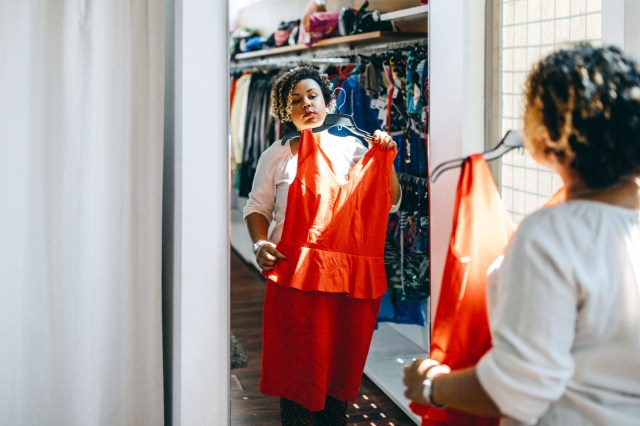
(248, 405)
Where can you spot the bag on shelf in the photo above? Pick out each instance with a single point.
(285, 32)
(322, 25)
(353, 21)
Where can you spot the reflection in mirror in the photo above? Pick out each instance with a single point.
(366, 268)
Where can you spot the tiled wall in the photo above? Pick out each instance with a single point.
(530, 30)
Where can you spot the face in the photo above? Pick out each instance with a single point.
(308, 107)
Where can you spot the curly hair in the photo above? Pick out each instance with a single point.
(591, 95)
(283, 86)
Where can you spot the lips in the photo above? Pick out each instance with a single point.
(309, 115)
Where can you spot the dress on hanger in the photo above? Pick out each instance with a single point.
(480, 233)
(322, 302)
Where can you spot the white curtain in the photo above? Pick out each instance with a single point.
(81, 119)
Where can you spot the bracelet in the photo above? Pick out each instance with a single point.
(433, 372)
(256, 246)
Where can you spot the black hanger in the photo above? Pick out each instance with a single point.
(511, 140)
(332, 120)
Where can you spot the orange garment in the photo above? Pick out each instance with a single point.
(322, 302)
(481, 230)
(333, 234)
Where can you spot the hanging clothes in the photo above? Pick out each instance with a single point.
(407, 255)
(259, 128)
(481, 230)
(321, 303)
(237, 118)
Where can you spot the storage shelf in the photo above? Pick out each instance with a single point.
(373, 37)
(409, 13)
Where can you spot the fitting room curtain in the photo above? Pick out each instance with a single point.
(81, 119)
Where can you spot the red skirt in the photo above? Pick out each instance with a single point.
(314, 344)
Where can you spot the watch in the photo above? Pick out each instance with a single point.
(426, 392)
(432, 372)
(256, 246)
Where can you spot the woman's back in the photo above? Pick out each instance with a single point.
(568, 318)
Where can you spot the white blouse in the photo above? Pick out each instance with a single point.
(564, 308)
(277, 169)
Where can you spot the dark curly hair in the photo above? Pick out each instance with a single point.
(592, 96)
(282, 87)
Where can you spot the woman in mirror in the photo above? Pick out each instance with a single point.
(329, 198)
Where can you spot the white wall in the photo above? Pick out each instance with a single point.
(200, 358)
(456, 84)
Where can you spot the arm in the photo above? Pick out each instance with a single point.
(258, 212)
(385, 141)
(459, 389)
(395, 187)
(267, 255)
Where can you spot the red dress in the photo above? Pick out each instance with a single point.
(321, 304)
(481, 230)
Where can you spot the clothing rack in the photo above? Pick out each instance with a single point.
(340, 55)
(415, 179)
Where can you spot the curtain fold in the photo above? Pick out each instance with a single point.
(81, 122)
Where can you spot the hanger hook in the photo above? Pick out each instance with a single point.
(343, 99)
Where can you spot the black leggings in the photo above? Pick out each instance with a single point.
(294, 414)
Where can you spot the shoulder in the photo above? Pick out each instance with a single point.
(576, 219)
(570, 227)
(276, 152)
(550, 225)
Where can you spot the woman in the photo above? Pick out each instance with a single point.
(565, 303)
(323, 283)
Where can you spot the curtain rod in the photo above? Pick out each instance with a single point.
(336, 56)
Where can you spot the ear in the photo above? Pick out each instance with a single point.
(559, 153)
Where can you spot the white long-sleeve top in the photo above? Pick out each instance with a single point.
(277, 168)
(564, 308)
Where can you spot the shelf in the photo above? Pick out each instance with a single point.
(411, 12)
(373, 37)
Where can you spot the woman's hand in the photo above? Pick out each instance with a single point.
(415, 375)
(383, 139)
(267, 256)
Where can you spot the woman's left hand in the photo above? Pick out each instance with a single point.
(383, 139)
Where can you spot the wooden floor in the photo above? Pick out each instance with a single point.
(248, 406)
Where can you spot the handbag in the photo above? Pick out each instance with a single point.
(362, 21)
(322, 25)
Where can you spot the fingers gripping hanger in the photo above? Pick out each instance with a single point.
(333, 120)
(510, 141)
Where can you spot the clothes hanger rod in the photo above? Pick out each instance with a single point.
(326, 56)
(511, 140)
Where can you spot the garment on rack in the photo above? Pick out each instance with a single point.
(481, 230)
(237, 118)
(407, 255)
(259, 127)
(332, 280)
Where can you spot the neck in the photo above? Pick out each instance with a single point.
(625, 193)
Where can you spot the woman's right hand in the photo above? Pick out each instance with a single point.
(267, 256)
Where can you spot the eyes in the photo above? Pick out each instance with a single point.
(298, 100)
